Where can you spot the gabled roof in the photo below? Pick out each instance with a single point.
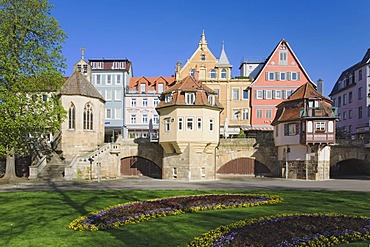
(134, 81)
(291, 108)
(77, 84)
(283, 41)
(189, 84)
(223, 61)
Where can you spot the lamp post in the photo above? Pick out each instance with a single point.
(98, 164)
(287, 150)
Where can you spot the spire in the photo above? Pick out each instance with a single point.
(223, 61)
(203, 42)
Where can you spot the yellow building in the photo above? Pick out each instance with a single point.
(189, 114)
(233, 93)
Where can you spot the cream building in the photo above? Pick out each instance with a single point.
(189, 119)
(83, 130)
(233, 93)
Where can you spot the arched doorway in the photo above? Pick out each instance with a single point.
(138, 166)
(244, 166)
(351, 168)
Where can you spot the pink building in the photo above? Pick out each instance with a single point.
(141, 98)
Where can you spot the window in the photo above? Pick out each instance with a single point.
(133, 102)
(259, 114)
(350, 129)
(203, 171)
(283, 57)
(203, 57)
(118, 95)
(155, 102)
(167, 122)
(72, 117)
(118, 79)
(235, 94)
(213, 74)
(344, 99)
(118, 113)
(339, 101)
(350, 97)
(108, 113)
(98, 79)
(145, 102)
(199, 123)
(144, 118)
(88, 117)
(282, 76)
(97, 65)
(211, 124)
(350, 114)
(271, 76)
(245, 94)
(168, 98)
(313, 103)
(320, 126)
(190, 98)
(295, 76)
(142, 88)
(174, 172)
(292, 129)
(223, 73)
(160, 88)
(133, 118)
(268, 113)
(245, 114)
(235, 115)
(109, 79)
(259, 94)
(211, 99)
(181, 123)
(189, 123)
(360, 75)
(155, 119)
(344, 115)
(108, 94)
(217, 92)
(192, 72)
(360, 93)
(360, 112)
(277, 94)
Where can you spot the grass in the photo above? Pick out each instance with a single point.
(40, 218)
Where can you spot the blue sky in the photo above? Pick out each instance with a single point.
(327, 36)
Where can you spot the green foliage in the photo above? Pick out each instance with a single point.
(241, 134)
(31, 64)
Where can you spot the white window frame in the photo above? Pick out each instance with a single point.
(180, 123)
(144, 118)
(235, 93)
(118, 79)
(211, 99)
(155, 102)
(269, 113)
(245, 114)
(167, 124)
(133, 102)
(145, 102)
(283, 76)
(320, 127)
(259, 113)
(283, 57)
(199, 123)
(268, 94)
(142, 88)
(118, 95)
(108, 94)
(160, 88)
(259, 94)
(189, 123)
(133, 118)
(190, 98)
(108, 113)
(211, 124)
(118, 113)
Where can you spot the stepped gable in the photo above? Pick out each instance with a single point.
(292, 108)
(189, 84)
(77, 84)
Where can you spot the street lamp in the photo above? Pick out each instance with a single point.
(98, 164)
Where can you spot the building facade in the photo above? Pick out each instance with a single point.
(350, 95)
(141, 99)
(233, 93)
(304, 128)
(279, 76)
(189, 119)
(110, 77)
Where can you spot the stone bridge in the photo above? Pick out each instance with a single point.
(241, 156)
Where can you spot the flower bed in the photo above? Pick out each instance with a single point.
(289, 230)
(133, 212)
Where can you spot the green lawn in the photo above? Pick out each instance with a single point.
(40, 218)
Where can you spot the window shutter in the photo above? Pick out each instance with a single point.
(289, 76)
(264, 94)
(283, 92)
(277, 76)
(273, 94)
(267, 76)
(298, 76)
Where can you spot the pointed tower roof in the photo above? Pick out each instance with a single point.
(223, 61)
(203, 43)
(77, 84)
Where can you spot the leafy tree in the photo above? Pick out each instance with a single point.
(31, 64)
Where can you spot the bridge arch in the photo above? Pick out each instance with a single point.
(350, 168)
(139, 166)
(244, 166)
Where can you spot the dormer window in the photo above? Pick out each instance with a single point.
(142, 88)
(211, 99)
(190, 98)
(168, 98)
(313, 104)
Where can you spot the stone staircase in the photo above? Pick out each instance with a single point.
(54, 169)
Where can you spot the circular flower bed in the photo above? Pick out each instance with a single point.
(289, 230)
(133, 212)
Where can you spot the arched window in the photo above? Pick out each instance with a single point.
(88, 117)
(192, 72)
(72, 116)
(223, 73)
(213, 74)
